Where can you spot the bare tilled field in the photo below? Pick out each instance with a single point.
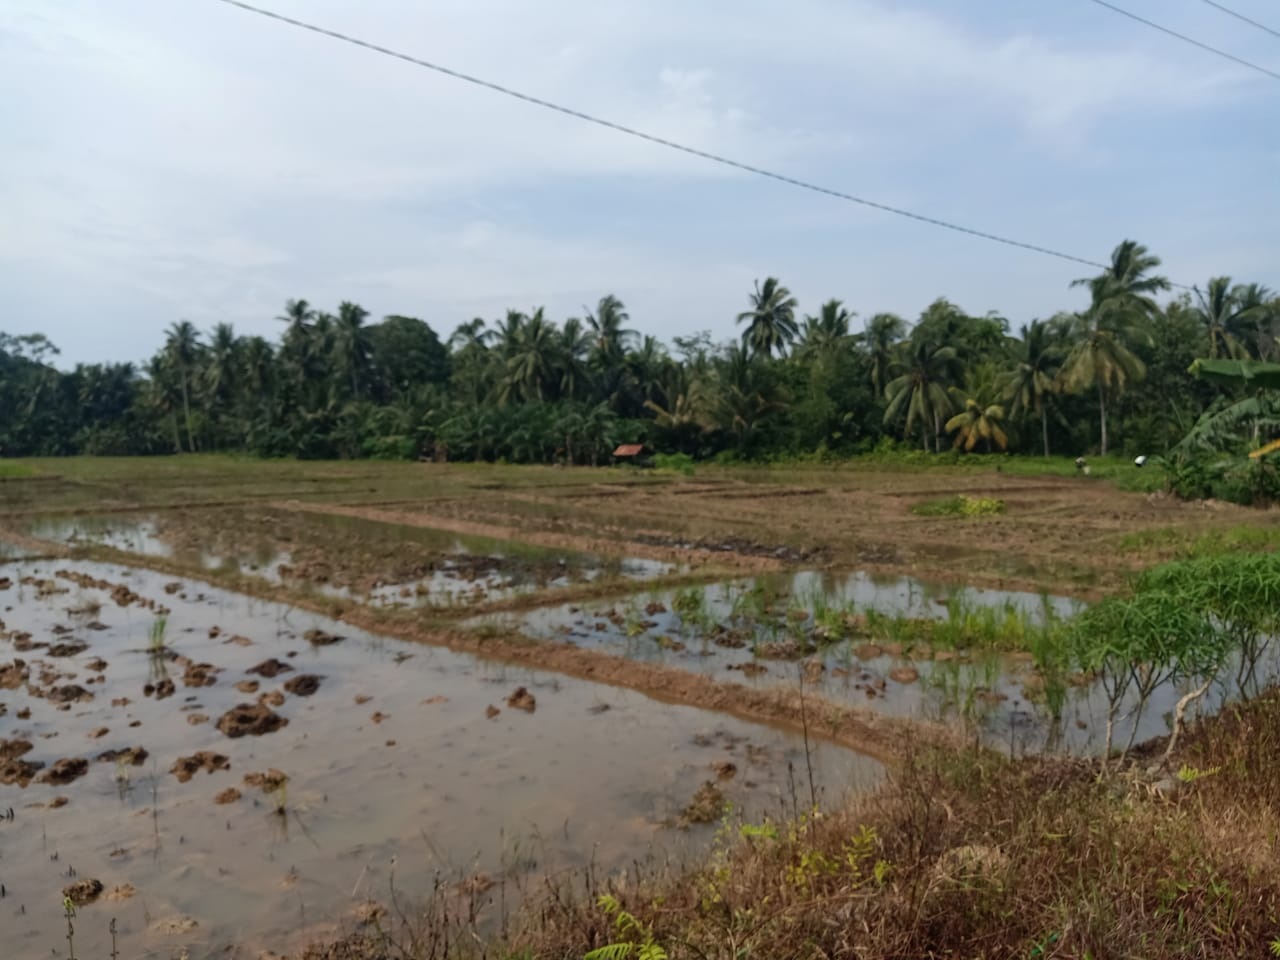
(247, 706)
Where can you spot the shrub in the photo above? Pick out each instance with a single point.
(680, 463)
(961, 505)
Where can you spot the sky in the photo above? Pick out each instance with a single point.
(165, 160)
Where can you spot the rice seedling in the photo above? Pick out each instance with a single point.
(156, 634)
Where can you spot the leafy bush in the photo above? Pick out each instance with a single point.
(680, 463)
(961, 505)
(1202, 476)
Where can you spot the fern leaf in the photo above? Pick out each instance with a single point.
(612, 951)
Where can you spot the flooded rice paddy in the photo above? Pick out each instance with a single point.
(348, 558)
(895, 645)
(236, 772)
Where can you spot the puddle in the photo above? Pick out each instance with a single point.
(416, 776)
(349, 558)
(777, 632)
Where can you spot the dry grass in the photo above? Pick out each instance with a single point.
(960, 854)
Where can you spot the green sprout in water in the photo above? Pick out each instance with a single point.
(156, 635)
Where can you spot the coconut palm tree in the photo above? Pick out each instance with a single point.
(609, 338)
(181, 360)
(531, 365)
(1128, 280)
(298, 315)
(1101, 360)
(509, 330)
(978, 422)
(222, 367)
(1219, 309)
(771, 321)
(1261, 308)
(1032, 382)
(826, 333)
(1121, 300)
(920, 389)
(879, 339)
(575, 344)
(352, 347)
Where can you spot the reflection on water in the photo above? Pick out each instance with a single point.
(416, 774)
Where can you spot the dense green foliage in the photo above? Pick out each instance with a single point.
(528, 389)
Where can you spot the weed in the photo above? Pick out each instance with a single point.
(961, 505)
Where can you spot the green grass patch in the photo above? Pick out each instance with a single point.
(1187, 543)
(960, 505)
(12, 470)
(680, 463)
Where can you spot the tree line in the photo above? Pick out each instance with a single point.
(528, 389)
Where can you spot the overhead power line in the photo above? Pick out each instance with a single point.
(1240, 16)
(1274, 75)
(661, 141)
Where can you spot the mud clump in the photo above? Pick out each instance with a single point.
(725, 769)
(247, 686)
(268, 782)
(129, 756)
(749, 669)
(272, 699)
(904, 674)
(173, 587)
(124, 891)
(522, 699)
(247, 719)
(491, 711)
(706, 806)
(173, 926)
(71, 648)
(96, 665)
(195, 719)
(165, 688)
(13, 749)
(200, 675)
(64, 771)
(13, 675)
(18, 773)
(99, 733)
(83, 892)
(187, 767)
(303, 685)
(229, 795)
(69, 693)
(5, 583)
(270, 668)
(321, 638)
